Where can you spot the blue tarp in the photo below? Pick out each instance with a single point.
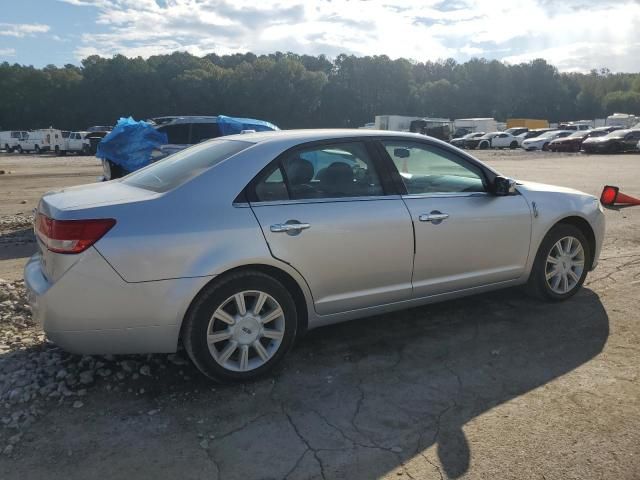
(130, 143)
(233, 125)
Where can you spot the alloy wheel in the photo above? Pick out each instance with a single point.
(565, 265)
(246, 331)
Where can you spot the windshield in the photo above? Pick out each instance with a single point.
(578, 134)
(489, 135)
(184, 165)
(547, 135)
(473, 135)
(617, 134)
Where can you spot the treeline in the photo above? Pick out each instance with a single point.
(303, 91)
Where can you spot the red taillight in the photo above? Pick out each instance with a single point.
(71, 236)
(609, 195)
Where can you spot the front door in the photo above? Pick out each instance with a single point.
(324, 210)
(465, 236)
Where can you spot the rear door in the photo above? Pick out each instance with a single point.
(465, 236)
(327, 210)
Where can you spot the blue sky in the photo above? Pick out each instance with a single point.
(575, 35)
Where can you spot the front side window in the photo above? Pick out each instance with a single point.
(426, 169)
(329, 171)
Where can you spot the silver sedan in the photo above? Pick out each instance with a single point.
(236, 246)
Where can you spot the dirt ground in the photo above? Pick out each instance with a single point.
(496, 386)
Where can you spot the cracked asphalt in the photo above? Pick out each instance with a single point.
(492, 386)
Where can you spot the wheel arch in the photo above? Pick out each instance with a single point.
(290, 283)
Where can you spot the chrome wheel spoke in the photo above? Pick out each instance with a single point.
(219, 336)
(556, 282)
(227, 352)
(260, 350)
(240, 305)
(574, 275)
(552, 274)
(273, 334)
(275, 313)
(257, 306)
(565, 282)
(224, 316)
(244, 357)
(552, 260)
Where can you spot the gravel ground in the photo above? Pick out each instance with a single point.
(493, 386)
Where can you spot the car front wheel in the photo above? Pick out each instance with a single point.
(239, 328)
(561, 264)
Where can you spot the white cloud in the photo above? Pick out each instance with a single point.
(575, 34)
(7, 52)
(22, 29)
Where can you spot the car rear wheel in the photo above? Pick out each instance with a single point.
(239, 328)
(19, 149)
(513, 145)
(483, 145)
(38, 149)
(561, 264)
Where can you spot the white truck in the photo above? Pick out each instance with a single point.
(74, 142)
(9, 139)
(38, 141)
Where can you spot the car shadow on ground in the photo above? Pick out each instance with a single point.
(355, 400)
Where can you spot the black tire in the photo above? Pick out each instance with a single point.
(57, 150)
(513, 145)
(19, 149)
(196, 324)
(37, 150)
(483, 145)
(116, 171)
(545, 147)
(537, 285)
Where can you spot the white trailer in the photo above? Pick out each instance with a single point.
(622, 120)
(464, 126)
(10, 138)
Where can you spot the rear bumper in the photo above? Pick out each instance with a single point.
(91, 310)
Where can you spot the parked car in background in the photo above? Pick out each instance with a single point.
(580, 126)
(573, 143)
(494, 140)
(534, 133)
(238, 245)
(515, 131)
(617, 141)
(95, 134)
(43, 140)
(76, 142)
(462, 141)
(184, 131)
(10, 139)
(541, 142)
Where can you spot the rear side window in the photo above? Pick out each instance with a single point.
(177, 134)
(204, 131)
(180, 167)
(328, 171)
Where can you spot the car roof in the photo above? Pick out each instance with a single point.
(311, 135)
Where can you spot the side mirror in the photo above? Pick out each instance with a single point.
(503, 186)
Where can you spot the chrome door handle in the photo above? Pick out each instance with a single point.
(289, 227)
(434, 217)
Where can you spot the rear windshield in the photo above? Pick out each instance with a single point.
(182, 166)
